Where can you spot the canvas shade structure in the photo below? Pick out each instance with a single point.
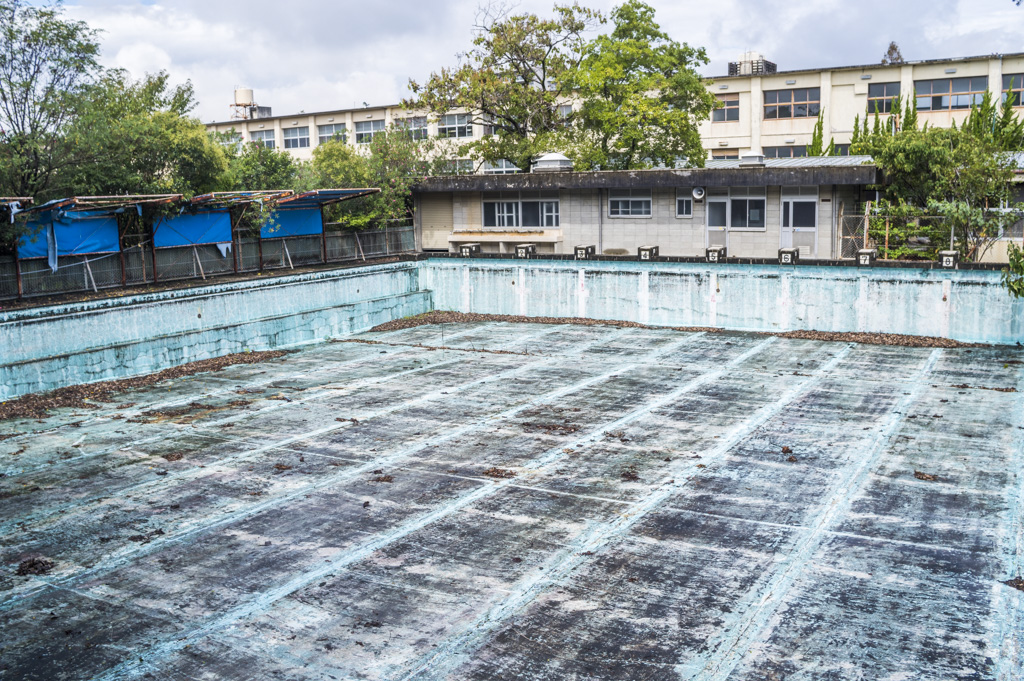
(79, 225)
(206, 220)
(300, 214)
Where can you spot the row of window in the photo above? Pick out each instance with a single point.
(736, 208)
(942, 94)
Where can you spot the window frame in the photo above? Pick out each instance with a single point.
(450, 127)
(295, 141)
(774, 153)
(262, 137)
(972, 93)
(503, 167)
(684, 194)
(730, 106)
(365, 136)
(631, 196)
(415, 126)
(883, 101)
(341, 133)
(728, 196)
(773, 99)
(1013, 82)
(548, 209)
(732, 154)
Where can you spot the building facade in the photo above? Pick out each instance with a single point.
(764, 111)
(752, 207)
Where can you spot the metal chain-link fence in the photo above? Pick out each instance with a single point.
(135, 265)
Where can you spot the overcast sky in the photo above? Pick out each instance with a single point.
(312, 55)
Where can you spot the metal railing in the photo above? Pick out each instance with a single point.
(140, 265)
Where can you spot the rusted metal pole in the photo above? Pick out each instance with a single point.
(17, 272)
(867, 221)
(323, 236)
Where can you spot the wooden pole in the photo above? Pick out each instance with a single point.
(120, 252)
(887, 238)
(199, 262)
(152, 241)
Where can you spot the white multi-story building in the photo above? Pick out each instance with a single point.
(764, 111)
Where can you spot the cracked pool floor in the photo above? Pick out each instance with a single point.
(591, 502)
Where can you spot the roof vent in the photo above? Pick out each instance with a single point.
(550, 162)
(752, 161)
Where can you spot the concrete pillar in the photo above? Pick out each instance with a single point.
(825, 86)
(906, 81)
(756, 113)
(995, 77)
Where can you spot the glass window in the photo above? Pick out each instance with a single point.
(842, 150)
(565, 114)
(296, 138)
(799, 103)
(1013, 84)
(684, 204)
(718, 212)
(325, 133)
(725, 154)
(415, 126)
(945, 94)
(729, 109)
(629, 202)
(747, 214)
(456, 166)
(805, 213)
(508, 209)
(365, 130)
(788, 151)
(501, 167)
(454, 125)
(881, 97)
(264, 137)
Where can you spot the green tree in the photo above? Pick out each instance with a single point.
(518, 73)
(817, 146)
(45, 63)
(1013, 273)
(135, 137)
(339, 165)
(997, 125)
(641, 98)
(259, 167)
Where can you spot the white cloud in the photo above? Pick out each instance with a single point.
(312, 55)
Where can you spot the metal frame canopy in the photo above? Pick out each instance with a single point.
(319, 198)
(206, 219)
(302, 214)
(81, 225)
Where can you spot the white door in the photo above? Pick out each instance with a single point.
(717, 223)
(800, 225)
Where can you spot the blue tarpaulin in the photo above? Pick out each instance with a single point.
(57, 233)
(302, 222)
(192, 229)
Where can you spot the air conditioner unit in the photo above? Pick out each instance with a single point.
(789, 256)
(948, 260)
(698, 193)
(524, 251)
(469, 250)
(585, 252)
(647, 253)
(866, 257)
(715, 254)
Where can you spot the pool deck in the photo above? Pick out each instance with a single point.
(532, 502)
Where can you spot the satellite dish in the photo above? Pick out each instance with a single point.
(698, 193)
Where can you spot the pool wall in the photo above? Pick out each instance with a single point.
(49, 347)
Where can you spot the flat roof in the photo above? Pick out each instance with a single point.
(859, 67)
(501, 500)
(820, 170)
